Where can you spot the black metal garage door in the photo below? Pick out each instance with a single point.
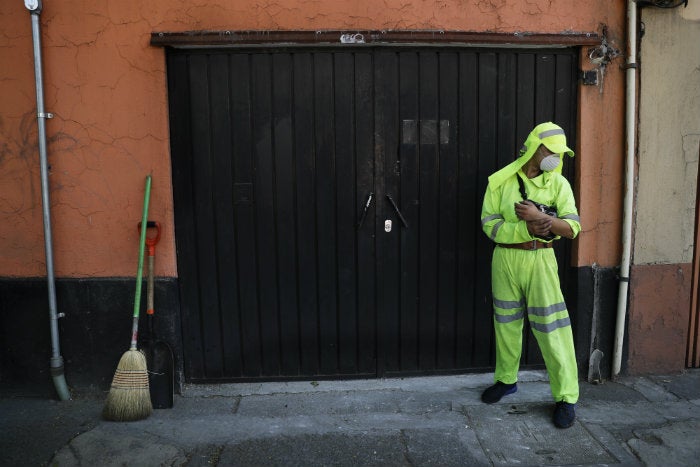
(327, 203)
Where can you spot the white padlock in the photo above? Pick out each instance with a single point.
(387, 225)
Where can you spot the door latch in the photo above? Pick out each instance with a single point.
(364, 211)
(398, 212)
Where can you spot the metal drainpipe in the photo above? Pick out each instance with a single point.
(630, 117)
(57, 373)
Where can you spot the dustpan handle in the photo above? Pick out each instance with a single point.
(139, 271)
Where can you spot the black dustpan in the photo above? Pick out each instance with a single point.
(159, 355)
(160, 375)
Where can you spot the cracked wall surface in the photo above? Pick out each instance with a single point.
(106, 87)
(669, 138)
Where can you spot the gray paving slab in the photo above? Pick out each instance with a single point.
(128, 449)
(635, 414)
(524, 435)
(447, 447)
(649, 388)
(324, 402)
(685, 385)
(609, 392)
(368, 449)
(382, 448)
(669, 445)
(32, 430)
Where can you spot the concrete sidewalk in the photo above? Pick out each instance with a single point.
(427, 421)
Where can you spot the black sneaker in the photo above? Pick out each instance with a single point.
(494, 393)
(564, 414)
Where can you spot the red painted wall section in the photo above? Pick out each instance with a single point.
(658, 318)
(106, 87)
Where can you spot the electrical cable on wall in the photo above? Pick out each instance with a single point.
(603, 54)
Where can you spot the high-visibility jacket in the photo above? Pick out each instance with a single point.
(498, 218)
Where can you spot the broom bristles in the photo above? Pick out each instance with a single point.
(129, 398)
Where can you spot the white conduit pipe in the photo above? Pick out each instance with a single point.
(630, 118)
(57, 372)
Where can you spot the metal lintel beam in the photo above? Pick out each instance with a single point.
(241, 38)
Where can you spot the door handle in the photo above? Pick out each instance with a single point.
(398, 211)
(364, 211)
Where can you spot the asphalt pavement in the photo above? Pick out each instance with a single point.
(422, 421)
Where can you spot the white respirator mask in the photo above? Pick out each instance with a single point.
(550, 162)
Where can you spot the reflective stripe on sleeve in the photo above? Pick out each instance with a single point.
(490, 218)
(494, 231)
(572, 217)
(497, 226)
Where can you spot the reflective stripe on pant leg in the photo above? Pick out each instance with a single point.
(551, 326)
(509, 312)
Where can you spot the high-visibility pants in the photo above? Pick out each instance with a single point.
(528, 280)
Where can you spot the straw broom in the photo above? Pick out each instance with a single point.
(129, 397)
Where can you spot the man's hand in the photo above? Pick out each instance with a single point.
(540, 227)
(527, 211)
(538, 223)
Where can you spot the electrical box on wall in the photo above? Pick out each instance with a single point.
(590, 77)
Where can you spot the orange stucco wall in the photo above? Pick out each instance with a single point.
(106, 87)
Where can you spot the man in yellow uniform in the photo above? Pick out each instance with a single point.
(524, 269)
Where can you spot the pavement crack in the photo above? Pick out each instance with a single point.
(406, 451)
(76, 453)
(650, 438)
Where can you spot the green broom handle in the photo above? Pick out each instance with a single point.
(139, 272)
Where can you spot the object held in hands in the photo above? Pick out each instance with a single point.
(549, 210)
